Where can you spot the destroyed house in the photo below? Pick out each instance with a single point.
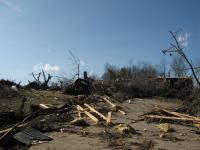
(175, 82)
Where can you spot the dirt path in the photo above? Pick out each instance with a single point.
(182, 138)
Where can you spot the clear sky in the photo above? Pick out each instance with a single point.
(39, 33)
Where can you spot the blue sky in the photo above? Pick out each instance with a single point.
(39, 33)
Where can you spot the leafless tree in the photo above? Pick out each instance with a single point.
(177, 47)
(162, 67)
(77, 63)
(197, 63)
(178, 66)
(46, 79)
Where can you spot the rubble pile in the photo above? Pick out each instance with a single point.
(20, 129)
(191, 105)
(82, 111)
(164, 115)
(8, 89)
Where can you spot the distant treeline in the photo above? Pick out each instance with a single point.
(142, 81)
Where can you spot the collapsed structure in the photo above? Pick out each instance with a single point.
(86, 108)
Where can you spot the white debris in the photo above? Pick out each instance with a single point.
(14, 88)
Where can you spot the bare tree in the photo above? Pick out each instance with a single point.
(77, 63)
(178, 66)
(37, 79)
(197, 63)
(162, 69)
(45, 81)
(111, 72)
(177, 47)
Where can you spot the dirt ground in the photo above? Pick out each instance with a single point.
(11, 102)
(181, 138)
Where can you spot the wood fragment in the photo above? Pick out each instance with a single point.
(43, 106)
(179, 114)
(95, 111)
(79, 114)
(170, 118)
(109, 117)
(17, 125)
(122, 112)
(7, 131)
(107, 99)
(88, 114)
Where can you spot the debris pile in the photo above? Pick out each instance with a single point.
(82, 112)
(31, 136)
(171, 116)
(192, 104)
(9, 89)
(79, 87)
(9, 83)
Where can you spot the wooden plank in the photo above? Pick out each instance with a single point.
(171, 118)
(122, 112)
(88, 114)
(43, 106)
(5, 132)
(79, 114)
(179, 114)
(107, 99)
(109, 117)
(109, 102)
(95, 111)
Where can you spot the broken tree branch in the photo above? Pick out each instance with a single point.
(178, 49)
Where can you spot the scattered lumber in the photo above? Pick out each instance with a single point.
(177, 114)
(6, 132)
(107, 119)
(174, 116)
(169, 118)
(24, 123)
(114, 106)
(108, 101)
(95, 111)
(88, 114)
